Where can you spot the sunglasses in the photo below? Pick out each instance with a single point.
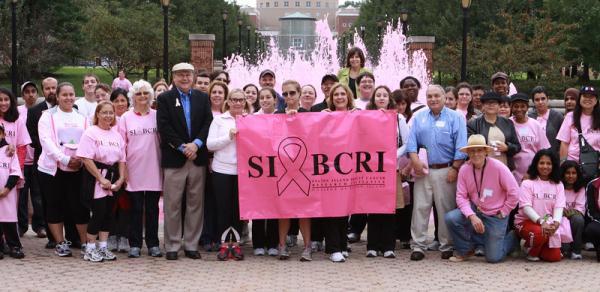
(290, 93)
(237, 100)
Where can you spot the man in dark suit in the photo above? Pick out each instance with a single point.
(183, 118)
(550, 119)
(34, 113)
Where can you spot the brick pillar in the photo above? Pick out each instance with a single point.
(202, 46)
(425, 43)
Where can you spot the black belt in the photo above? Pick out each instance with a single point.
(440, 165)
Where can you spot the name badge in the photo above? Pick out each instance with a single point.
(440, 124)
(488, 192)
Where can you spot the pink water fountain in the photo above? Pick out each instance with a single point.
(394, 62)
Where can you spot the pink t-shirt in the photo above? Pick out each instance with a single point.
(542, 196)
(568, 134)
(8, 205)
(124, 83)
(543, 120)
(143, 152)
(498, 191)
(532, 139)
(575, 200)
(30, 151)
(104, 146)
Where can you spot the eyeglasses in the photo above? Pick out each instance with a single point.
(290, 93)
(237, 100)
(106, 113)
(366, 81)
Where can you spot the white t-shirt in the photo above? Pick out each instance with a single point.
(85, 107)
(361, 103)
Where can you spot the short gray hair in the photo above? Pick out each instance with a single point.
(137, 87)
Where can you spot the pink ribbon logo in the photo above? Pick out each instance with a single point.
(292, 154)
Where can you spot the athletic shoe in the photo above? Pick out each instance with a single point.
(461, 258)
(93, 255)
(588, 246)
(389, 254)
(82, 251)
(306, 255)
(273, 252)
(479, 251)
(236, 252)
(16, 253)
(223, 253)
(532, 258)
(337, 257)
(134, 252)
(345, 254)
(155, 252)
(353, 237)
(291, 240)
(417, 254)
(123, 244)
(284, 253)
(113, 244)
(107, 254)
(371, 253)
(259, 251)
(576, 256)
(62, 249)
(314, 246)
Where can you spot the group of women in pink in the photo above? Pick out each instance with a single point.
(116, 150)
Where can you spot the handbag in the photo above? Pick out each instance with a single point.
(588, 158)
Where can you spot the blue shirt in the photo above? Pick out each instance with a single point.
(442, 136)
(185, 104)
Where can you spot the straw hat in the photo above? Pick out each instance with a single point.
(476, 141)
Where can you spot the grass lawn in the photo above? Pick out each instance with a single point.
(74, 74)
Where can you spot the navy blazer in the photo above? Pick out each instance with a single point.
(172, 127)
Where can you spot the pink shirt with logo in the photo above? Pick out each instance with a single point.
(532, 139)
(568, 134)
(104, 146)
(498, 191)
(542, 196)
(543, 120)
(575, 200)
(8, 204)
(143, 152)
(29, 154)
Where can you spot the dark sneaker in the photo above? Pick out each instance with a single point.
(17, 253)
(134, 252)
(155, 252)
(223, 253)
(447, 254)
(236, 252)
(417, 255)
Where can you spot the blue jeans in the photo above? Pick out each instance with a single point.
(496, 242)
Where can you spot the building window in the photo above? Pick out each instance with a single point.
(275, 4)
(286, 3)
(307, 3)
(297, 43)
(267, 4)
(297, 3)
(318, 3)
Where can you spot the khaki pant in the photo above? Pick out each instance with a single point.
(176, 181)
(429, 189)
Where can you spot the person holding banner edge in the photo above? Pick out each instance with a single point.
(442, 132)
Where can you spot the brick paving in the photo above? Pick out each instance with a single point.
(43, 271)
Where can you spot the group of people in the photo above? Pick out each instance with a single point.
(96, 167)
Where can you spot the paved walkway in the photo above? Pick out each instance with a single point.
(42, 271)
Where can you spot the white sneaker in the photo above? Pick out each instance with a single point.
(83, 245)
(273, 252)
(107, 254)
(345, 254)
(532, 258)
(389, 254)
(93, 255)
(123, 244)
(259, 251)
(337, 257)
(371, 253)
(588, 246)
(112, 243)
(576, 256)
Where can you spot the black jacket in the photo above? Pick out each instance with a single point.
(482, 127)
(33, 117)
(555, 120)
(172, 127)
(591, 193)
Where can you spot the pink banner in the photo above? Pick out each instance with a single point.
(316, 164)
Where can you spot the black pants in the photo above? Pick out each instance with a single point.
(122, 217)
(357, 223)
(317, 232)
(294, 227)
(592, 233)
(144, 211)
(265, 233)
(209, 231)
(102, 215)
(381, 235)
(9, 230)
(336, 239)
(62, 195)
(404, 218)
(30, 187)
(227, 202)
